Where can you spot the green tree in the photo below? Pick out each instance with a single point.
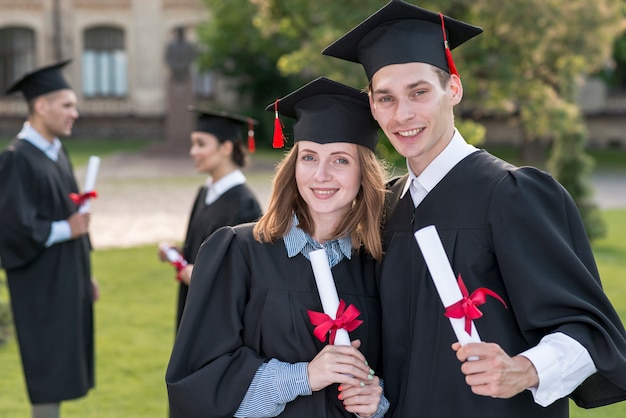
(237, 44)
(533, 60)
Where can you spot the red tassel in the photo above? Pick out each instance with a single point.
(451, 65)
(279, 138)
(251, 144)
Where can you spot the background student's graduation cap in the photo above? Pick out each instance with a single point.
(327, 111)
(41, 81)
(224, 125)
(400, 33)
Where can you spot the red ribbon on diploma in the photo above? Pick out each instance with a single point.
(345, 318)
(179, 265)
(468, 306)
(81, 198)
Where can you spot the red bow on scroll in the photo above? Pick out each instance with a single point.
(345, 319)
(79, 199)
(468, 306)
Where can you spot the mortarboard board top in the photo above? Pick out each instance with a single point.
(400, 33)
(41, 81)
(219, 121)
(327, 111)
(222, 114)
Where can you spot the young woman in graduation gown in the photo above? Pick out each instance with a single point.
(217, 150)
(246, 344)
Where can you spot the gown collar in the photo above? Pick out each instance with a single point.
(230, 180)
(51, 149)
(299, 242)
(452, 154)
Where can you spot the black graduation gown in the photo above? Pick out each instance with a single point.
(236, 206)
(517, 232)
(50, 288)
(248, 304)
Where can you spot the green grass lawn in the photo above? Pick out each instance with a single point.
(606, 160)
(135, 332)
(81, 149)
(610, 253)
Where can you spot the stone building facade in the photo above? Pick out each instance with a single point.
(118, 68)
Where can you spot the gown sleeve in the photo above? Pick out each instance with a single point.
(552, 279)
(23, 234)
(210, 369)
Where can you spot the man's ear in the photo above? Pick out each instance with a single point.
(456, 88)
(39, 104)
(372, 105)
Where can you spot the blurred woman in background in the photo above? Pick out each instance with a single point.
(217, 149)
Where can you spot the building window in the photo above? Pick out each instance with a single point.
(17, 54)
(105, 67)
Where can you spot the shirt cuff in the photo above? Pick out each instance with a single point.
(59, 231)
(292, 380)
(274, 384)
(562, 364)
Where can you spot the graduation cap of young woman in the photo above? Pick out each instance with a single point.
(41, 81)
(327, 111)
(224, 125)
(400, 33)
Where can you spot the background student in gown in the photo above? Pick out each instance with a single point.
(512, 230)
(246, 346)
(217, 149)
(45, 248)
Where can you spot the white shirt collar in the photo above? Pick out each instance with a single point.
(51, 149)
(452, 154)
(230, 180)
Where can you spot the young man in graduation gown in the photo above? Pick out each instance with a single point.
(45, 248)
(513, 231)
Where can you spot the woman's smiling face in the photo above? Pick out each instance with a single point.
(328, 178)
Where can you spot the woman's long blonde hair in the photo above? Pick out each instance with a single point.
(363, 221)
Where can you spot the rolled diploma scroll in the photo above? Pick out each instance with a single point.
(173, 256)
(441, 272)
(90, 181)
(327, 290)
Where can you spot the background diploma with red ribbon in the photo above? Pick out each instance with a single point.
(84, 199)
(330, 300)
(175, 258)
(443, 277)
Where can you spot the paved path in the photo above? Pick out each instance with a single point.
(146, 197)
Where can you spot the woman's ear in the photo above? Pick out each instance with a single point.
(226, 147)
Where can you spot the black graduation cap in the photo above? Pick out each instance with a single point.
(224, 125)
(400, 33)
(41, 81)
(327, 111)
